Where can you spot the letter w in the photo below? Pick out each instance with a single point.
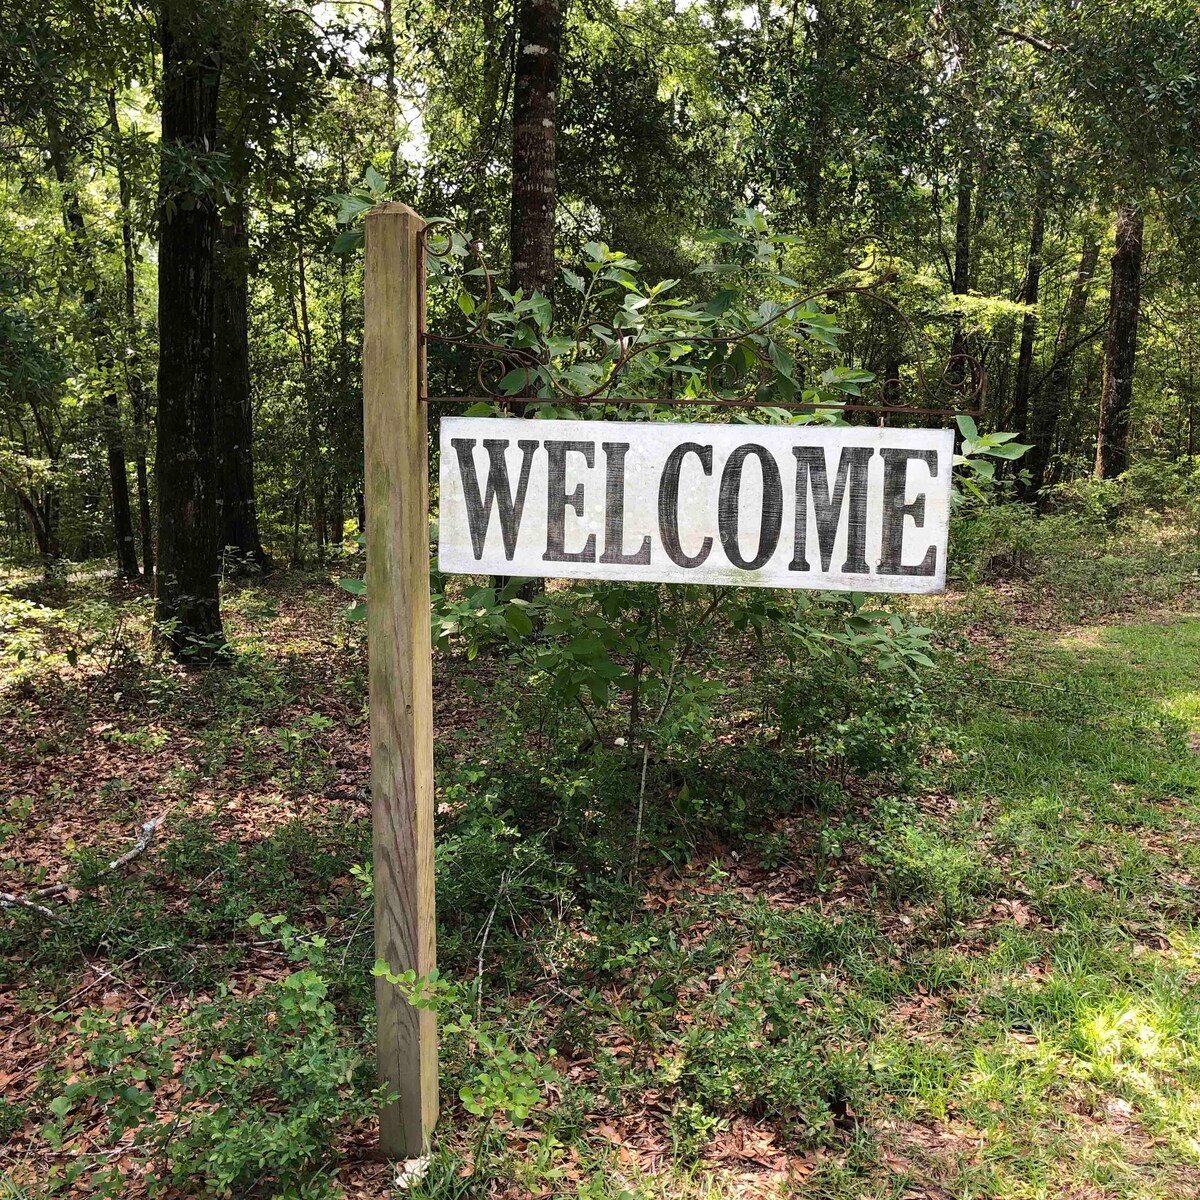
(498, 492)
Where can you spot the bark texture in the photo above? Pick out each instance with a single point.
(1120, 344)
(188, 607)
(231, 390)
(531, 229)
(1051, 396)
(1029, 297)
(534, 188)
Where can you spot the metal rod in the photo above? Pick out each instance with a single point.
(422, 338)
(715, 402)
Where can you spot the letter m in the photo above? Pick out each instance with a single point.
(498, 491)
(811, 472)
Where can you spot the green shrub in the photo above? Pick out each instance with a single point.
(757, 1052)
(995, 542)
(270, 1082)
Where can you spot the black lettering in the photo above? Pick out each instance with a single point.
(614, 511)
(479, 508)
(811, 472)
(728, 506)
(895, 482)
(557, 500)
(668, 503)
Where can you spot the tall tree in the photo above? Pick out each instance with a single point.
(531, 226)
(271, 84)
(135, 385)
(102, 345)
(1050, 396)
(1120, 344)
(1019, 418)
(188, 607)
(961, 279)
(534, 146)
(231, 391)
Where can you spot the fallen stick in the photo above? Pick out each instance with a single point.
(140, 846)
(8, 900)
(149, 829)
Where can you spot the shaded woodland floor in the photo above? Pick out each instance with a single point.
(983, 985)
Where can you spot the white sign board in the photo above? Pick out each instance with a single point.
(838, 508)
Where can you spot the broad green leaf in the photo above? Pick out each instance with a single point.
(351, 206)
(348, 240)
(375, 181)
(519, 620)
(1010, 451)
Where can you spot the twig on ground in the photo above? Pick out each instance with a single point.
(30, 902)
(637, 836)
(482, 950)
(8, 900)
(149, 829)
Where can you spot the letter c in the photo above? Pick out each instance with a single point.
(668, 503)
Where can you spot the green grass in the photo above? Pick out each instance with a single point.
(1071, 1052)
(983, 983)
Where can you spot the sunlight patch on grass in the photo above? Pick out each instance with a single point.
(1121, 1034)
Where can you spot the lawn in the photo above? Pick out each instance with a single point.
(969, 971)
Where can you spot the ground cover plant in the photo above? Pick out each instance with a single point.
(814, 936)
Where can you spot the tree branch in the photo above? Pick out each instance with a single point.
(1029, 39)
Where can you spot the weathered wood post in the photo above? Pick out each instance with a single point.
(401, 684)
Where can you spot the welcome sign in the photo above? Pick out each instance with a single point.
(837, 508)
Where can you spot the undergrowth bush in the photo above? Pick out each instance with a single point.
(755, 1051)
(1154, 484)
(265, 1086)
(1103, 546)
(996, 542)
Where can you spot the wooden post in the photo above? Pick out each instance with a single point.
(401, 684)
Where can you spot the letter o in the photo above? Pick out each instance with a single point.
(772, 506)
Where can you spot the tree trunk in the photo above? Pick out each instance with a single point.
(315, 462)
(820, 35)
(390, 92)
(127, 564)
(1000, 345)
(1029, 297)
(1120, 345)
(891, 379)
(135, 385)
(1051, 396)
(337, 518)
(961, 285)
(42, 512)
(531, 230)
(188, 608)
(118, 479)
(1191, 401)
(534, 189)
(231, 394)
(297, 513)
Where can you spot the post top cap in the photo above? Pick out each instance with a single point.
(393, 208)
